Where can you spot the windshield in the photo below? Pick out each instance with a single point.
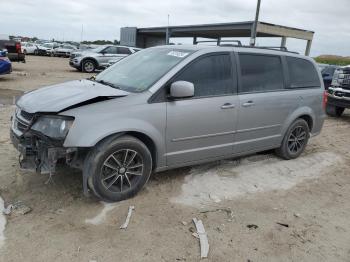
(139, 71)
(48, 45)
(98, 49)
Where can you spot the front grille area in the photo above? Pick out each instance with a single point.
(27, 116)
(20, 126)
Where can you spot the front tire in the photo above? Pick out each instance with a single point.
(118, 168)
(334, 111)
(88, 66)
(295, 140)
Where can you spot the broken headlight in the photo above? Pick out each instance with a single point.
(56, 127)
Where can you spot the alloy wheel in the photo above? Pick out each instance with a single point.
(297, 139)
(89, 66)
(121, 170)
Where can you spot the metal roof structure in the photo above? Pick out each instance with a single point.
(151, 36)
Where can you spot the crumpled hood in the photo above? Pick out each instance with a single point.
(58, 97)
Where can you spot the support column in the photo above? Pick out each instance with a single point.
(167, 36)
(308, 47)
(195, 40)
(283, 41)
(218, 41)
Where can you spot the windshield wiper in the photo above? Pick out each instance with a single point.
(107, 84)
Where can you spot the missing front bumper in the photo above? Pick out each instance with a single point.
(39, 155)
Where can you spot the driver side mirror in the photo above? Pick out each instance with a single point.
(103, 52)
(181, 89)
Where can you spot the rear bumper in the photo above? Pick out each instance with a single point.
(16, 57)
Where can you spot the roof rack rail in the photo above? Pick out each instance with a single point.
(219, 41)
(280, 48)
(239, 44)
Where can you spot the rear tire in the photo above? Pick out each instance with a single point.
(334, 111)
(88, 66)
(118, 168)
(295, 140)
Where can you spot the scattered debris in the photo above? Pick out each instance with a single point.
(203, 239)
(228, 211)
(215, 198)
(2, 223)
(296, 215)
(195, 235)
(184, 223)
(7, 210)
(192, 230)
(282, 224)
(220, 228)
(125, 225)
(252, 226)
(17, 208)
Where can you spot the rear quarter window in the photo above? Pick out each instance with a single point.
(302, 73)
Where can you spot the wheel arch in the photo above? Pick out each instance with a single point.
(144, 138)
(304, 113)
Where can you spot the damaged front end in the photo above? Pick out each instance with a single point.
(39, 139)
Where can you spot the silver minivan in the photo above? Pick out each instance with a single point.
(167, 107)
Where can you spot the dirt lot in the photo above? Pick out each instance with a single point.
(311, 195)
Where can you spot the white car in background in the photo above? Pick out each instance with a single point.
(28, 48)
(64, 50)
(46, 49)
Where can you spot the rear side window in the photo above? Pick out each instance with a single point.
(211, 75)
(261, 73)
(111, 50)
(124, 51)
(302, 73)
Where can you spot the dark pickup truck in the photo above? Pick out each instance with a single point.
(338, 94)
(14, 52)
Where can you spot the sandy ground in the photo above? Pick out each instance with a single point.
(311, 195)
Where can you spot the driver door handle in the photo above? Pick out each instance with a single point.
(227, 106)
(248, 104)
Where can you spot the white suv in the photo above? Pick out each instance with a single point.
(98, 58)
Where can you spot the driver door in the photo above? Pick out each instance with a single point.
(202, 127)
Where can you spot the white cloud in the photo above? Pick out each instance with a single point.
(103, 19)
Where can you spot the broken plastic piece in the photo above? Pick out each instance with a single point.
(126, 223)
(203, 239)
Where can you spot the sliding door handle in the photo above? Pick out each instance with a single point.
(248, 104)
(227, 106)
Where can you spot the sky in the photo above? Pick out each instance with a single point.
(64, 19)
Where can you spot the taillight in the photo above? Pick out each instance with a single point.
(18, 48)
(325, 99)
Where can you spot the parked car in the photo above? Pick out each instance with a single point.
(64, 50)
(167, 107)
(28, 48)
(46, 49)
(327, 75)
(338, 94)
(98, 58)
(14, 51)
(5, 63)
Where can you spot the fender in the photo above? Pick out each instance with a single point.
(295, 115)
